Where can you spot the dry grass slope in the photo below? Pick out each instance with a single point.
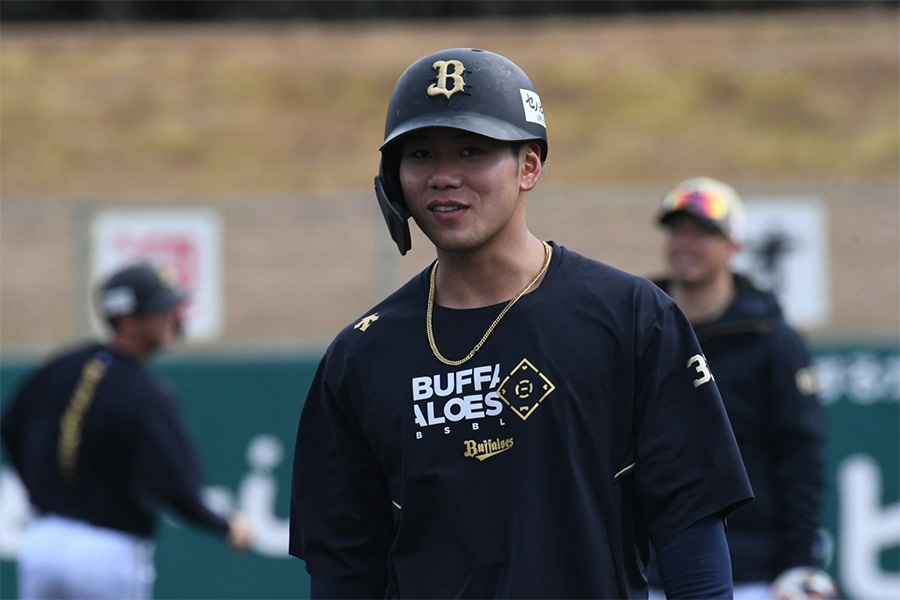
(213, 111)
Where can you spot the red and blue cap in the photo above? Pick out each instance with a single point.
(715, 204)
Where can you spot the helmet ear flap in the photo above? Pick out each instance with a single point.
(393, 208)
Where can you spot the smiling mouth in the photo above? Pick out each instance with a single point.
(446, 208)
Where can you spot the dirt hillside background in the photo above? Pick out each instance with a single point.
(277, 128)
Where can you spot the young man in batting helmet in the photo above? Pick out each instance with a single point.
(517, 421)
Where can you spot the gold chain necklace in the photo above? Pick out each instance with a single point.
(548, 253)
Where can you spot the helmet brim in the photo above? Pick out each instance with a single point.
(464, 121)
(164, 300)
(666, 218)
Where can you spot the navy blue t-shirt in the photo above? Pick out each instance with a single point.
(586, 426)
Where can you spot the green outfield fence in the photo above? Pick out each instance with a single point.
(243, 414)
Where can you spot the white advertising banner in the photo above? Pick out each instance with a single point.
(188, 242)
(786, 250)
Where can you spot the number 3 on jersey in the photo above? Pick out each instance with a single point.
(698, 361)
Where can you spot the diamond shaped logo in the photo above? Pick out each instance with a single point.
(524, 389)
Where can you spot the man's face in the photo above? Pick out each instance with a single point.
(158, 329)
(696, 254)
(464, 190)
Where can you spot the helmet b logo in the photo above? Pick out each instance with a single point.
(167, 276)
(450, 72)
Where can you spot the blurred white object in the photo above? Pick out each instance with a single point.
(804, 583)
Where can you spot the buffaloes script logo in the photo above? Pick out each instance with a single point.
(487, 448)
(449, 79)
(525, 389)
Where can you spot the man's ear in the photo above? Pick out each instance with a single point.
(530, 167)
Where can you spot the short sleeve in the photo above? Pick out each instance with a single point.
(687, 464)
(341, 516)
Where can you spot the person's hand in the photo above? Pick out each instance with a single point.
(240, 533)
(804, 583)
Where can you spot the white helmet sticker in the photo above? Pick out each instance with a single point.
(534, 110)
(119, 301)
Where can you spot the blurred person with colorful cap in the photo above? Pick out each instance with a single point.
(101, 448)
(764, 373)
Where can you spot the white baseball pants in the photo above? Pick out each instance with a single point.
(63, 558)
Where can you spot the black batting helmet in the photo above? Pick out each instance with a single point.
(460, 88)
(139, 289)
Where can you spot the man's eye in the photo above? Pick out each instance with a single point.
(471, 151)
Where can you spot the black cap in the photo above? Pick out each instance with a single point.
(139, 289)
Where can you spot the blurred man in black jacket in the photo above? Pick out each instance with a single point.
(764, 374)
